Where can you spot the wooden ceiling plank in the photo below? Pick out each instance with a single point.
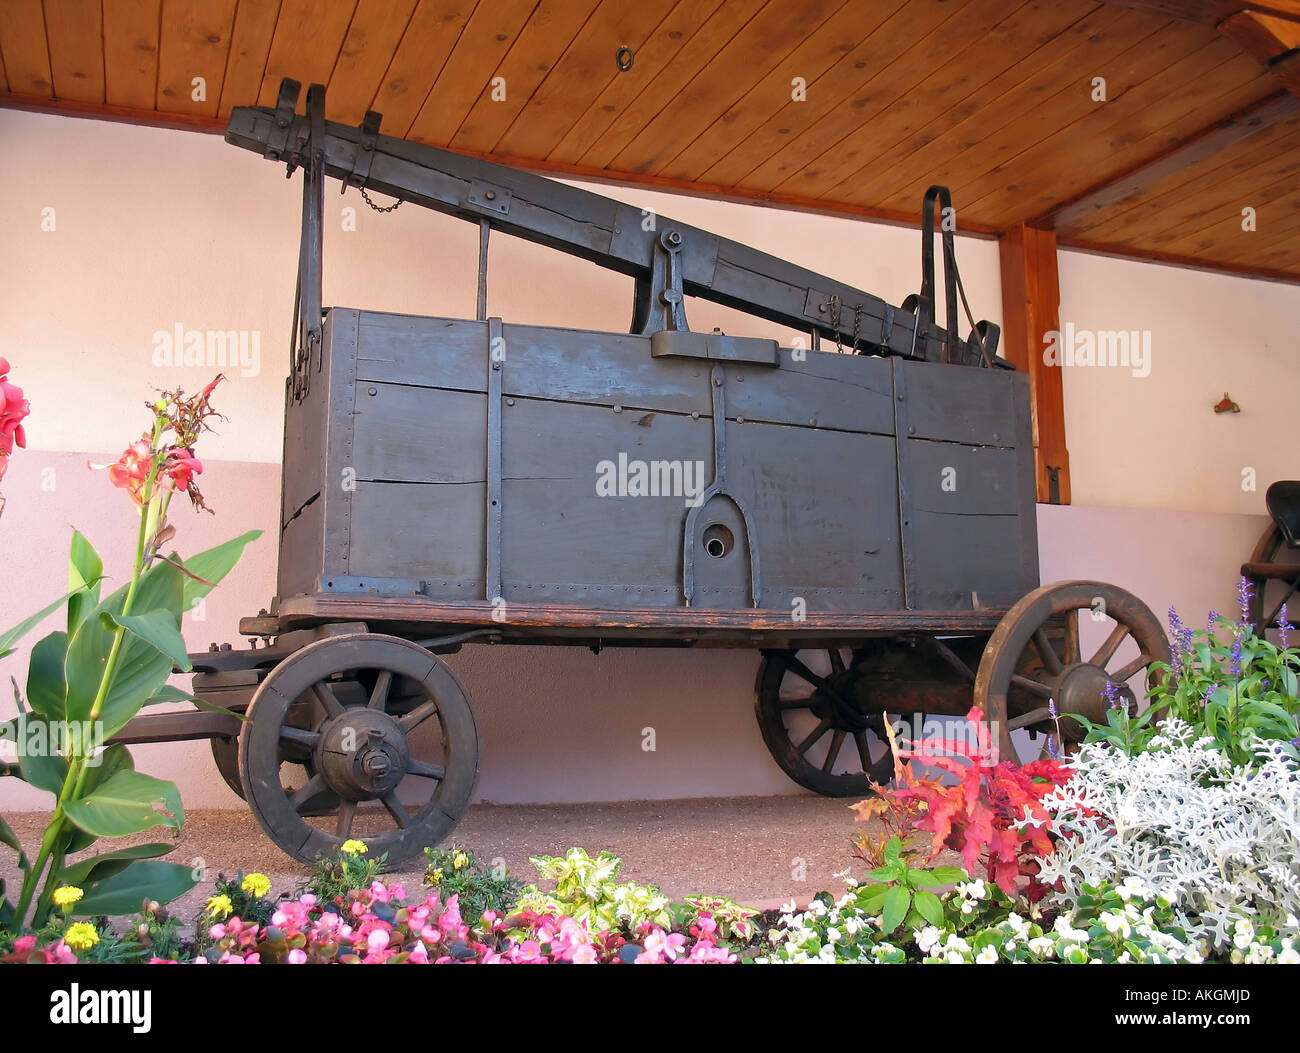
(955, 91)
(75, 32)
(1146, 209)
(543, 41)
(1279, 274)
(1142, 122)
(996, 127)
(591, 60)
(1210, 148)
(421, 56)
(469, 69)
(961, 36)
(250, 45)
(195, 42)
(746, 59)
(817, 54)
(1267, 37)
(131, 39)
(24, 47)
(1208, 12)
(308, 37)
(371, 41)
(670, 75)
(670, 38)
(846, 96)
(1282, 251)
(4, 75)
(1200, 232)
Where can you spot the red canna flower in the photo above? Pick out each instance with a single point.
(13, 408)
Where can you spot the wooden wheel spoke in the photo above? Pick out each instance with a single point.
(1032, 686)
(837, 743)
(837, 660)
(396, 809)
(864, 749)
(1107, 650)
(1047, 652)
(799, 669)
(379, 696)
(425, 770)
(347, 812)
(796, 703)
(813, 736)
(1025, 720)
(1072, 649)
(310, 789)
(1133, 668)
(326, 699)
(417, 716)
(300, 736)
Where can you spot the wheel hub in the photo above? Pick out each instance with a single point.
(1082, 690)
(363, 754)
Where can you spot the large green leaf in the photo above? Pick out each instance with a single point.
(9, 639)
(106, 864)
(47, 693)
(115, 758)
(141, 670)
(123, 892)
(40, 765)
(928, 905)
(126, 804)
(157, 628)
(897, 901)
(85, 569)
(213, 565)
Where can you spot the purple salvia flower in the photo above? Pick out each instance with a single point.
(1209, 622)
(1178, 651)
(1284, 627)
(1209, 693)
(1052, 750)
(1245, 591)
(1234, 666)
(1051, 709)
(1111, 692)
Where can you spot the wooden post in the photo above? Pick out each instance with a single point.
(1031, 300)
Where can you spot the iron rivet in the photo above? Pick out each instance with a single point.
(491, 195)
(510, 402)
(740, 420)
(373, 391)
(911, 431)
(695, 414)
(496, 365)
(618, 408)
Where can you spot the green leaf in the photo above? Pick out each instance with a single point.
(43, 769)
(123, 892)
(106, 864)
(158, 628)
(142, 669)
(872, 898)
(85, 569)
(125, 804)
(115, 758)
(47, 693)
(929, 906)
(8, 837)
(213, 565)
(10, 638)
(897, 901)
(949, 875)
(168, 694)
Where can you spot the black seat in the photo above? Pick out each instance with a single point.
(1283, 501)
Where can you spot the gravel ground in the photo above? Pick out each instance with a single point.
(760, 851)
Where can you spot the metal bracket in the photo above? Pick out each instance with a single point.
(717, 380)
(486, 196)
(365, 151)
(1053, 485)
(660, 302)
(492, 517)
(277, 141)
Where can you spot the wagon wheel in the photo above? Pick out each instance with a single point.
(225, 754)
(1268, 594)
(1077, 684)
(360, 751)
(832, 755)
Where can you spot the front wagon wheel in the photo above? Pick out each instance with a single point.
(351, 703)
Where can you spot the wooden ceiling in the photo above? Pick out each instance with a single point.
(994, 98)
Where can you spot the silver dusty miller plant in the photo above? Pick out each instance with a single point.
(1219, 842)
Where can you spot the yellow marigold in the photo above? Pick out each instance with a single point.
(219, 906)
(460, 860)
(81, 936)
(353, 847)
(67, 895)
(436, 876)
(256, 885)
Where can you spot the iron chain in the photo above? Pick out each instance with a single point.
(378, 208)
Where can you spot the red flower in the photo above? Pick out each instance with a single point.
(131, 470)
(13, 408)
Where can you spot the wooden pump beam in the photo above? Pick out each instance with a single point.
(1031, 300)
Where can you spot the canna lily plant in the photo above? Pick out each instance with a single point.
(88, 679)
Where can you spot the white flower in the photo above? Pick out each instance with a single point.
(987, 955)
(832, 935)
(928, 939)
(956, 943)
(1043, 945)
(1019, 926)
(1133, 888)
(955, 958)
(1116, 924)
(1289, 956)
(1243, 933)
(974, 889)
(851, 925)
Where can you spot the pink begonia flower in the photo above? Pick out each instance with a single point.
(378, 939)
(217, 932)
(585, 954)
(669, 945)
(707, 925)
(418, 956)
(297, 956)
(451, 919)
